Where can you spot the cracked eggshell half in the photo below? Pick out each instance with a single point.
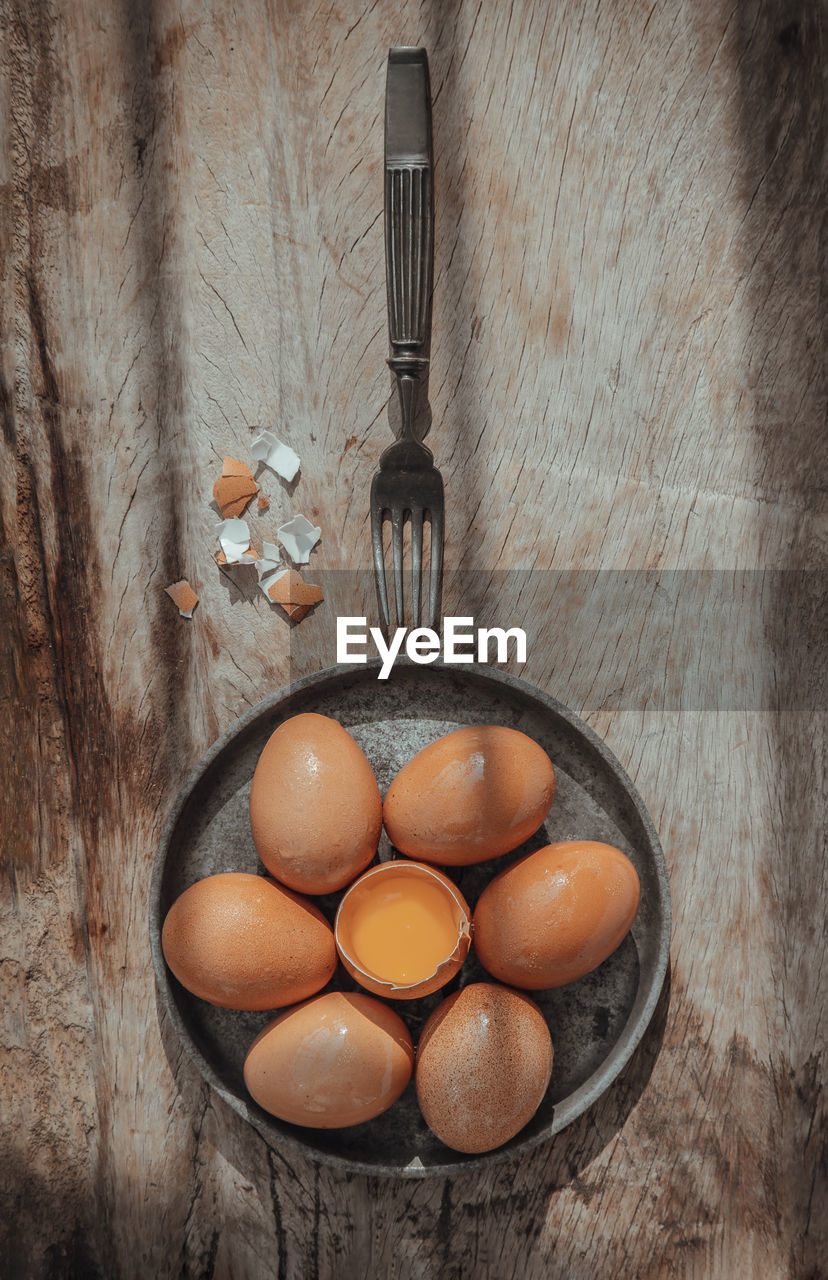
(336, 1060)
(403, 930)
(472, 795)
(315, 807)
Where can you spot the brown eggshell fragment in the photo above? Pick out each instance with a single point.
(393, 877)
(294, 594)
(333, 1061)
(472, 795)
(556, 914)
(291, 588)
(234, 488)
(244, 942)
(315, 807)
(233, 467)
(183, 597)
(484, 1060)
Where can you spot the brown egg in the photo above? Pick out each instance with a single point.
(472, 795)
(245, 942)
(315, 806)
(483, 1064)
(333, 1061)
(556, 914)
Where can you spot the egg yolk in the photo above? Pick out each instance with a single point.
(401, 935)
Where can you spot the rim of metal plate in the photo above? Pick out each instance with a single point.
(577, 1102)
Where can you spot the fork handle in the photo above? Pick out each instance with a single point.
(409, 220)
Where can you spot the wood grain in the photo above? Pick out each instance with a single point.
(628, 374)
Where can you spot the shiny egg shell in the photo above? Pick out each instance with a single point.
(315, 807)
(555, 914)
(336, 1060)
(244, 942)
(484, 1060)
(472, 795)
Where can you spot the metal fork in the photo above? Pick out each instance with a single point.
(408, 485)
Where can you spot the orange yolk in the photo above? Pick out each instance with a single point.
(402, 935)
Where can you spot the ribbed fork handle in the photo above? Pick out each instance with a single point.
(408, 258)
(409, 218)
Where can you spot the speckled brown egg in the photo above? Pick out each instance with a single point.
(315, 806)
(556, 914)
(331, 1062)
(244, 942)
(484, 1060)
(472, 795)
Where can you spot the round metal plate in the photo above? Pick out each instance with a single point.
(595, 1023)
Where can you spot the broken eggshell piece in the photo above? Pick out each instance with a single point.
(183, 597)
(279, 457)
(299, 537)
(234, 488)
(234, 537)
(270, 567)
(295, 596)
(403, 930)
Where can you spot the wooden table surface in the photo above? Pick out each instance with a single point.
(628, 376)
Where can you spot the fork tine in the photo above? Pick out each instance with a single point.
(397, 520)
(436, 575)
(416, 563)
(379, 562)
